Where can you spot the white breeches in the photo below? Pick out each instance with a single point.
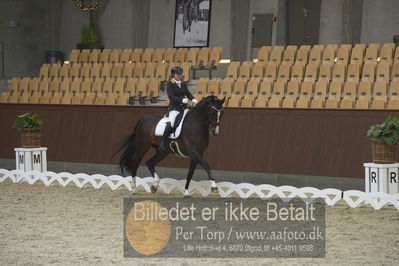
(172, 117)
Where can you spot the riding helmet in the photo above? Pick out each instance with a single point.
(177, 70)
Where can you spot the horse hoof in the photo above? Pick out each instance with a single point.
(187, 196)
(153, 189)
(214, 189)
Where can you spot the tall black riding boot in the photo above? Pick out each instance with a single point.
(165, 138)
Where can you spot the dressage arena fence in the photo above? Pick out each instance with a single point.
(354, 198)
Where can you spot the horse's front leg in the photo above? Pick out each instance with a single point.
(193, 164)
(195, 155)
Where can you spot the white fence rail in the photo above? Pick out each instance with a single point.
(353, 198)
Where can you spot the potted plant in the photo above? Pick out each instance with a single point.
(384, 138)
(89, 34)
(30, 126)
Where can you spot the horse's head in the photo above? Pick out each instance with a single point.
(211, 109)
(215, 113)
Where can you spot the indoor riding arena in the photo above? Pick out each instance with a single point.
(197, 132)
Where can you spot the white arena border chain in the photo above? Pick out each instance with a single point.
(354, 198)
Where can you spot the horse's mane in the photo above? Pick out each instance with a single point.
(204, 102)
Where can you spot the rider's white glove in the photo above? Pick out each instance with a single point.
(195, 101)
(185, 100)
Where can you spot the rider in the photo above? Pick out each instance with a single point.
(176, 91)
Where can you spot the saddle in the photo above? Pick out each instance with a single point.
(160, 128)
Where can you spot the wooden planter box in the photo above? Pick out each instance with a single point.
(30, 139)
(382, 152)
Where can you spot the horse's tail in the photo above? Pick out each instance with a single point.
(128, 147)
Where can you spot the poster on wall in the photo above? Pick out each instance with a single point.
(192, 21)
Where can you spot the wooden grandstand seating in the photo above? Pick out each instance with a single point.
(245, 70)
(372, 52)
(328, 56)
(275, 101)
(160, 71)
(284, 73)
(89, 98)
(302, 55)
(214, 86)
(169, 55)
(153, 89)
(311, 71)
(203, 56)
(34, 84)
(325, 72)
(125, 56)
(186, 71)
(136, 55)
(74, 56)
(55, 70)
(239, 87)
(368, 72)
(253, 87)
(234, 101)
(215, 56)
(317, 102)
(357, 54)
(315, 56)
(142, 88)
(131, 87)
(74, 71)
(85, 70)
(76, 84)
(378, 103)
(386, 53)
(64, 71)
(180, 55)
(307, 88)
(365, 88)
(393, 104)
(276, 55)
(271, 72)
(232, 70)
(108, 85)
(248, 101)
(343, 54)
(106, 70)
(149, 70)
(157, 56)
(127, 71)
(297, 72)
(347, 103)
(226, 87)
(383, 71)
(202, 85)
(288, 56)
(395, 71)
(339, 72)
(86, 85)
(350, 89)
(293, 87)
(266, 87)
(97, 85)
(335, 89)
(119, 86)
(263, 54)
(147, 55)
(115, 56)
(110, 99)
(302, 102)
(353, 72)
(94, 56)
(122, 99)
(331, 103)
(279, 88)
(138, 71)
(84, 56)
(380, 89)
(104, 56)
(65, 85)
(261, 101)
(289, 101)
(258, 70)
(116, 70)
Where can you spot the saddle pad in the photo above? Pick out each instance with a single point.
(160, 128)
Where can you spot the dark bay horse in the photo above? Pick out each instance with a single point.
(192, 142)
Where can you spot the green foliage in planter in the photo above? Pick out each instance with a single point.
(89, 35)
(28, 120)
(388, 130)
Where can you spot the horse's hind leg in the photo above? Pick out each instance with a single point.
(138, 156)
(151, 163)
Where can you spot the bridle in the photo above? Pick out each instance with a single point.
(215, 124)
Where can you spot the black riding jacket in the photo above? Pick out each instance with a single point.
(176, 95)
